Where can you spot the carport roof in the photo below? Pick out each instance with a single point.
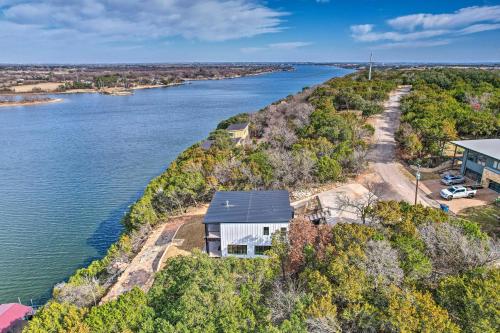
(488, 147)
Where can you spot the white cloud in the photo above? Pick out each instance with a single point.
(252, 49)
(397, 36)
(459, 18)
(361, 29)
(276, 46)
(413, 44)
(210, 20)
(420, 30)
(479, 28)
(288, 45)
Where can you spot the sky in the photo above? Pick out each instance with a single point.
(138, 31)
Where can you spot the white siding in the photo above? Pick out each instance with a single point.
(249, 234)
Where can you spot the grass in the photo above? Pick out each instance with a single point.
(488, 217)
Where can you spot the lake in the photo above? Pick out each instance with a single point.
(69, 170)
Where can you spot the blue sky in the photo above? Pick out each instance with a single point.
(97, 31)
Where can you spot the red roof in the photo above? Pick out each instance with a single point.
(12, 312)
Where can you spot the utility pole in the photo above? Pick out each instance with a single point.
(418, 178)
(370, 70)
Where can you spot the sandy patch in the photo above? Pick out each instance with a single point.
(44, 87)
(48, 101)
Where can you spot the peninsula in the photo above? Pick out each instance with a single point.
(117, 79)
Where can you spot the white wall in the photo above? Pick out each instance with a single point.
(249, 234)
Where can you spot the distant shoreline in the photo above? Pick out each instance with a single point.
(30, 103)
(121, 91)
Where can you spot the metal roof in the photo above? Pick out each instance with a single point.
(488, 147)
(237, 126)
(249, 207)
(12, 312)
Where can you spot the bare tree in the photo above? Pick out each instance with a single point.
(323, 325)
(363, 205)
(382, 263)
(224, 171)
(453, 252)
(283, 299)
(85, 293)
(291, 169)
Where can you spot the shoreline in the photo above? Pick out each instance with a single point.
(75, 273)
(115, 91)
(31, 103)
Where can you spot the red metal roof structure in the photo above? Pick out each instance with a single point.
(11, 314)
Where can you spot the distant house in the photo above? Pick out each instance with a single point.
(481, 161)
(241, 223)
(13, 316)
(239, 130)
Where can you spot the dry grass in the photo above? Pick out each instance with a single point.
(27, 88)
(192, 233)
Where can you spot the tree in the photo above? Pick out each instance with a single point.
(323, 325)
(307, 241)
(472, 299)
(57, 317)
(382, 263)
(128, 313)
(283, 300)
(363, 206)
(328, 169)
(280, 254)
(451, 251)
(414, 311)
(85, 293)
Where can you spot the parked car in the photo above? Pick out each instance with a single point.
(453, 180)
(456, 192)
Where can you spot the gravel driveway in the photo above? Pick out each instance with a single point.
(382, 156)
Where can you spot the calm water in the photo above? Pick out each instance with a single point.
(68, 171)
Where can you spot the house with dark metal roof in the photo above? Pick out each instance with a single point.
(239, 130)
(241, 223)
(481, 161)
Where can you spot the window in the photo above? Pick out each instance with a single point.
(472, 156)
(496, 165)
(237, 249)
(266, 231)
(481, 160)
(261, 249)
(283, 230)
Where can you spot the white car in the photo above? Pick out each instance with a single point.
(456, 192)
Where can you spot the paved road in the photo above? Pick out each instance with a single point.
(382, 156)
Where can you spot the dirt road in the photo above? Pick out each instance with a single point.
(140, 272)
(382, 156)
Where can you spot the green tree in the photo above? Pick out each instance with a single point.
(58, 318)
(473, 299)
(328, 169)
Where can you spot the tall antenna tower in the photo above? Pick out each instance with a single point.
(370, 70)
